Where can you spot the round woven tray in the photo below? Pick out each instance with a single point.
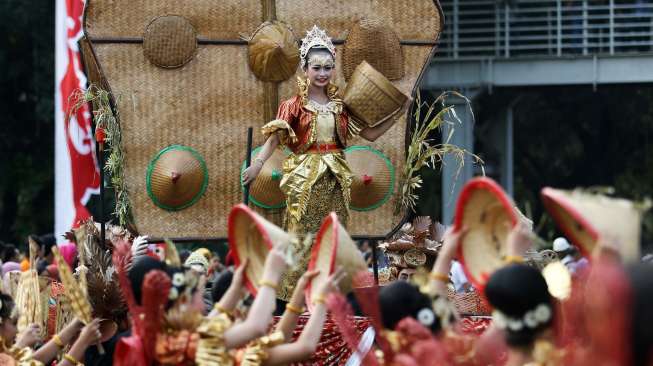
(176, 177)
(169, 41)
(374, 41)
(374, 177)
(273, 53)
(370, 96)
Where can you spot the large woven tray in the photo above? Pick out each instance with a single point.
(209, 102)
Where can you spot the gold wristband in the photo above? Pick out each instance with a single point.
(219, 308)
(439, 277)
(269, 284)
(294, 309)
(509, 259)
(319, 300)
(57, 340)
(72, 360)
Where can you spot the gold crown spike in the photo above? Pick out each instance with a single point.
(317, 38)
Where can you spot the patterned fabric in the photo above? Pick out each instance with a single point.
(331, 348)
(319, 204)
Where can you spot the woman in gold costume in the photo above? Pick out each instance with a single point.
(316, 127)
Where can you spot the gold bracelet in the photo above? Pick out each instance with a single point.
(509, 259)
(439, 277)
(72, 359)
(269, 284)
(294, 309)
(57, 340)
(319, 300)
(219, 308)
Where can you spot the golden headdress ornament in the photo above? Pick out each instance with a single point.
(316, 38)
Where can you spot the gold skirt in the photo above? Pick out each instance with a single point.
(326, 196)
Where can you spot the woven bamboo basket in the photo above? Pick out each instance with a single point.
(374, 41)
(370, 96)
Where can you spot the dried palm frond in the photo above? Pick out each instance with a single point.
(79, 303)
(424, 152)
(105, 296)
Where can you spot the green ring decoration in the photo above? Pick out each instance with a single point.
(252, 199)
(391, 168)
(150, 168)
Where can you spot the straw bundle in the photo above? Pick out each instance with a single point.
(28, 294)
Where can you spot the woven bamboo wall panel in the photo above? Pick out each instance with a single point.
(213, 19)
(206, 105)
(209, 102)
(410, 19)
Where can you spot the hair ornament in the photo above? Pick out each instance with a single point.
(426, 317)
(532, 319)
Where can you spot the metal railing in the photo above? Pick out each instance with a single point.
(549, 28)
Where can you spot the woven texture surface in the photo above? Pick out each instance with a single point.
(209, 102)
(211, 19)
(370, 96)
(157, 110)
(374, 41)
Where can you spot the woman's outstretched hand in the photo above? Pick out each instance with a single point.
(252, 172)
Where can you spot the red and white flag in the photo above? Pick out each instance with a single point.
(76, 170)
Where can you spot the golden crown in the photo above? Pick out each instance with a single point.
(316, 38)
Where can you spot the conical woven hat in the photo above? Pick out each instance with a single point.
(488, 213)
(585, 217)
(333, 247)
(251, 237)
(264, 191)
(374, 177)
(176, 177)
(372, 40)
(273, 52)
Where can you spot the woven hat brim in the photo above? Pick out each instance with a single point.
(476, 253)
(585, 217)
(378, 192)
(570, 221)
(242, 224)
(333, 246)
(265, 191)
